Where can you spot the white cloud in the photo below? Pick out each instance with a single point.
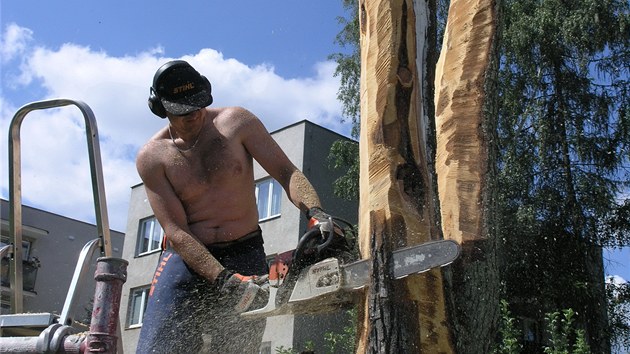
(55, 170)
(615, 279)
(14, 41)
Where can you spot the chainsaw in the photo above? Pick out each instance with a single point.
(323, 275)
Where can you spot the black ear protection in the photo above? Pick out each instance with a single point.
(154, 101)
(155, 105)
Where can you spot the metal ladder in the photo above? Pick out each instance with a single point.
(40, 321)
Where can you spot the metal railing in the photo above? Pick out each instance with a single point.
(15, 196)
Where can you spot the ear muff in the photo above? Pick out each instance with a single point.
(207, 82)
(154, 101)
(155, 104)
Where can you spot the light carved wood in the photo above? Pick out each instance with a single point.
(395, 201)
(461, 160)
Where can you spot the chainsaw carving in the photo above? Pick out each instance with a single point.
(461, 161)
(395, 184)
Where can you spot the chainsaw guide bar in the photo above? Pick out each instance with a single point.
(327, 285)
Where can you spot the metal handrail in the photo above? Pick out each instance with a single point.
(81, 269)
(4, 250)
(15, 182)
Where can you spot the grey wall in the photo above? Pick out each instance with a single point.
(140, 269)
(281, 233)
(57, 242)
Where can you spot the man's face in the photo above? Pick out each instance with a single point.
(186, 122)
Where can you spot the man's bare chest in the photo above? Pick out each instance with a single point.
(215, 166)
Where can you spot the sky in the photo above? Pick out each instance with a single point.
(270, 57)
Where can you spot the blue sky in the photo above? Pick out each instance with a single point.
(268, 56)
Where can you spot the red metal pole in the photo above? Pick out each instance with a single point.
(111, 273)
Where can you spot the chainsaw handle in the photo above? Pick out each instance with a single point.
(329, 228)
(325, 229)
(314, 232)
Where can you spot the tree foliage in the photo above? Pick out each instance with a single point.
(564, 122)
(349, 65)
(564, 338)
(563, 335)
(563, 152)
(509, 334)
(619, 314)
(344, 155)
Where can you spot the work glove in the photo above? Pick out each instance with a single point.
(336, 240)
(317, 216)
(242, 292)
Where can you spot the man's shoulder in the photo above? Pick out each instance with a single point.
(233, 118)
(153, 146)
(232, 114)
(160, 137)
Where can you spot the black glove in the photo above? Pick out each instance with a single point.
(336, 236)
(317, 216)
(243, 292)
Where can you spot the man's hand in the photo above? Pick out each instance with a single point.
(243, 292)
(317, 216)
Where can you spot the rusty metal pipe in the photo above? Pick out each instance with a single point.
(54, 339)
(111, 274)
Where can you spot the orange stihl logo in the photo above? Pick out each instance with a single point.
(158, 272)
(183, 88)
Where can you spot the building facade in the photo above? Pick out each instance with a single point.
(50, 250)
(307, 145)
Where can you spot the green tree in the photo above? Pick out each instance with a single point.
(349, 65)
(563, 141)
(344, 155)
(508, 342)
(619, 312)
(564, 338)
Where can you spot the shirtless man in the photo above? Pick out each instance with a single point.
(198, 176)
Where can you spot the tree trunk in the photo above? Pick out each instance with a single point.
(396, 210)
(465, 120)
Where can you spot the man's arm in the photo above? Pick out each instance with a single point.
(170, 213)
(270, 156)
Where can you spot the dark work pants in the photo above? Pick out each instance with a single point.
(182, 306)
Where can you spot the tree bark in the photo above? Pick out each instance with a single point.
(396, 208)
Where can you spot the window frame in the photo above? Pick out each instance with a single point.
(140, 236)
(275, 189)
(26, 246)
(144, 299)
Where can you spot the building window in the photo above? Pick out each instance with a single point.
(265, 348)
(26, 246)
(29, 271)
(268, 196)
(149, 236)
(5, 304)
(137, 306)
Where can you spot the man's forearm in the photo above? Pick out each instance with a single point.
(197, 256)
(302, 193)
